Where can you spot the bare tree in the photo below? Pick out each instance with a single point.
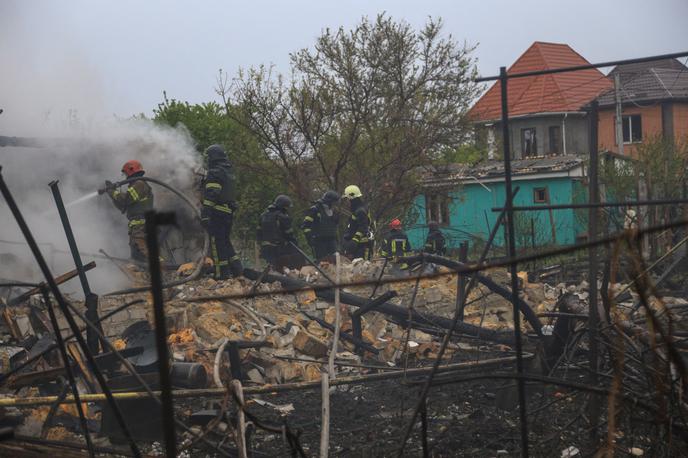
(368, 106)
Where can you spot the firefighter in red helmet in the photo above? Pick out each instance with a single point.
(135, 201)
(396, 243)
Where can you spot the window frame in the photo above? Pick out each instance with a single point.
(545, 191)
(559, 143)
(627, 123)
(534, 144)
(437, 203)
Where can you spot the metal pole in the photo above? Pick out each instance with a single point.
(90, 299)
(511, 246)
(313, 263)
(62, 303)
(461, 281)
(70, 237)
(593, 213)
(153, 220)
(68, 369)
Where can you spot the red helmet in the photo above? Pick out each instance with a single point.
(131, 167)
(395, 224)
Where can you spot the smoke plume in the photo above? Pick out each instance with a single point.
(58, 98)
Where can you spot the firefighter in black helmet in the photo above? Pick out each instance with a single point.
(275, 232)
(217, 212)
(435, 242)
(320, 225)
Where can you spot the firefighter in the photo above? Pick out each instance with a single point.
(320, 225)
(435, 242)
(275, 233)
(134, 202)
(217, 212)
(396, 244)
(357, 236)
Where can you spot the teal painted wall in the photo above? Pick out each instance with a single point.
(470, 213)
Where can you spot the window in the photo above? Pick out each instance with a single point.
(437, 208)
(632, 129)
(540, 195)
(528, 142)
(554, 140)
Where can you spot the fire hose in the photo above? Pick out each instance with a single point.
(206, 239)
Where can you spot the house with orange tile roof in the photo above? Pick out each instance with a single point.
(654, 102)
(549, 143)
(546, 112)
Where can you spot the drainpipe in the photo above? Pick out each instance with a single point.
(563, 132)
(479, 182)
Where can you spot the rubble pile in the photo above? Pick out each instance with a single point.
(262, 334)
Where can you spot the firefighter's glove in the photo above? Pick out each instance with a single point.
(109, 186)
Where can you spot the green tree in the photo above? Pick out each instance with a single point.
(369, 106)
(209, 123)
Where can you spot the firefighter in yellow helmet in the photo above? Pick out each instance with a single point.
(357, 236)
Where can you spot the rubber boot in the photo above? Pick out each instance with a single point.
(236, 268)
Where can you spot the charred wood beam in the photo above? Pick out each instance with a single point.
(401, 314)
(490, 284)
(266, 389)
(344, 335)
(58, 280)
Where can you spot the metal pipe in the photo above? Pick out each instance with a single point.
(574, 68)
(596, 205)
(511, 245)
(65, 310)
(593, 265)
(153, 220)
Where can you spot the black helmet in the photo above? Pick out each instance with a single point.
(282, 202)
(215, 153)
(330, 197)
(433, 225)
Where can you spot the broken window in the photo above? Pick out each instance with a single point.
(554, 140)
(632, 128)
(437, 208)
(528, 142)
(540, 195)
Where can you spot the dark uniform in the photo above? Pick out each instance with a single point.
(217, 212)
(435, 242)
(275, 234)
(357, 233)
(135, 202)
(320, 228)
(396, 245)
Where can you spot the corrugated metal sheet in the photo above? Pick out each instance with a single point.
(567, 91)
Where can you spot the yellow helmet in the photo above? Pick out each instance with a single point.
(352, 191)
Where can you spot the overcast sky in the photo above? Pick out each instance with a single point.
(118, 56)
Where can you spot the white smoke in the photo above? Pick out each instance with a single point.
(81, 166)
(53, 92)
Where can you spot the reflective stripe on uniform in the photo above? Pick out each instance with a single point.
(219, 207)
(136, 222)
(132, 192)
(213, 186)
(223, 208)
(309, 219)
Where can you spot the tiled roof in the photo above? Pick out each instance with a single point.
(652, 81)
(558, 92)
(456, 173)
